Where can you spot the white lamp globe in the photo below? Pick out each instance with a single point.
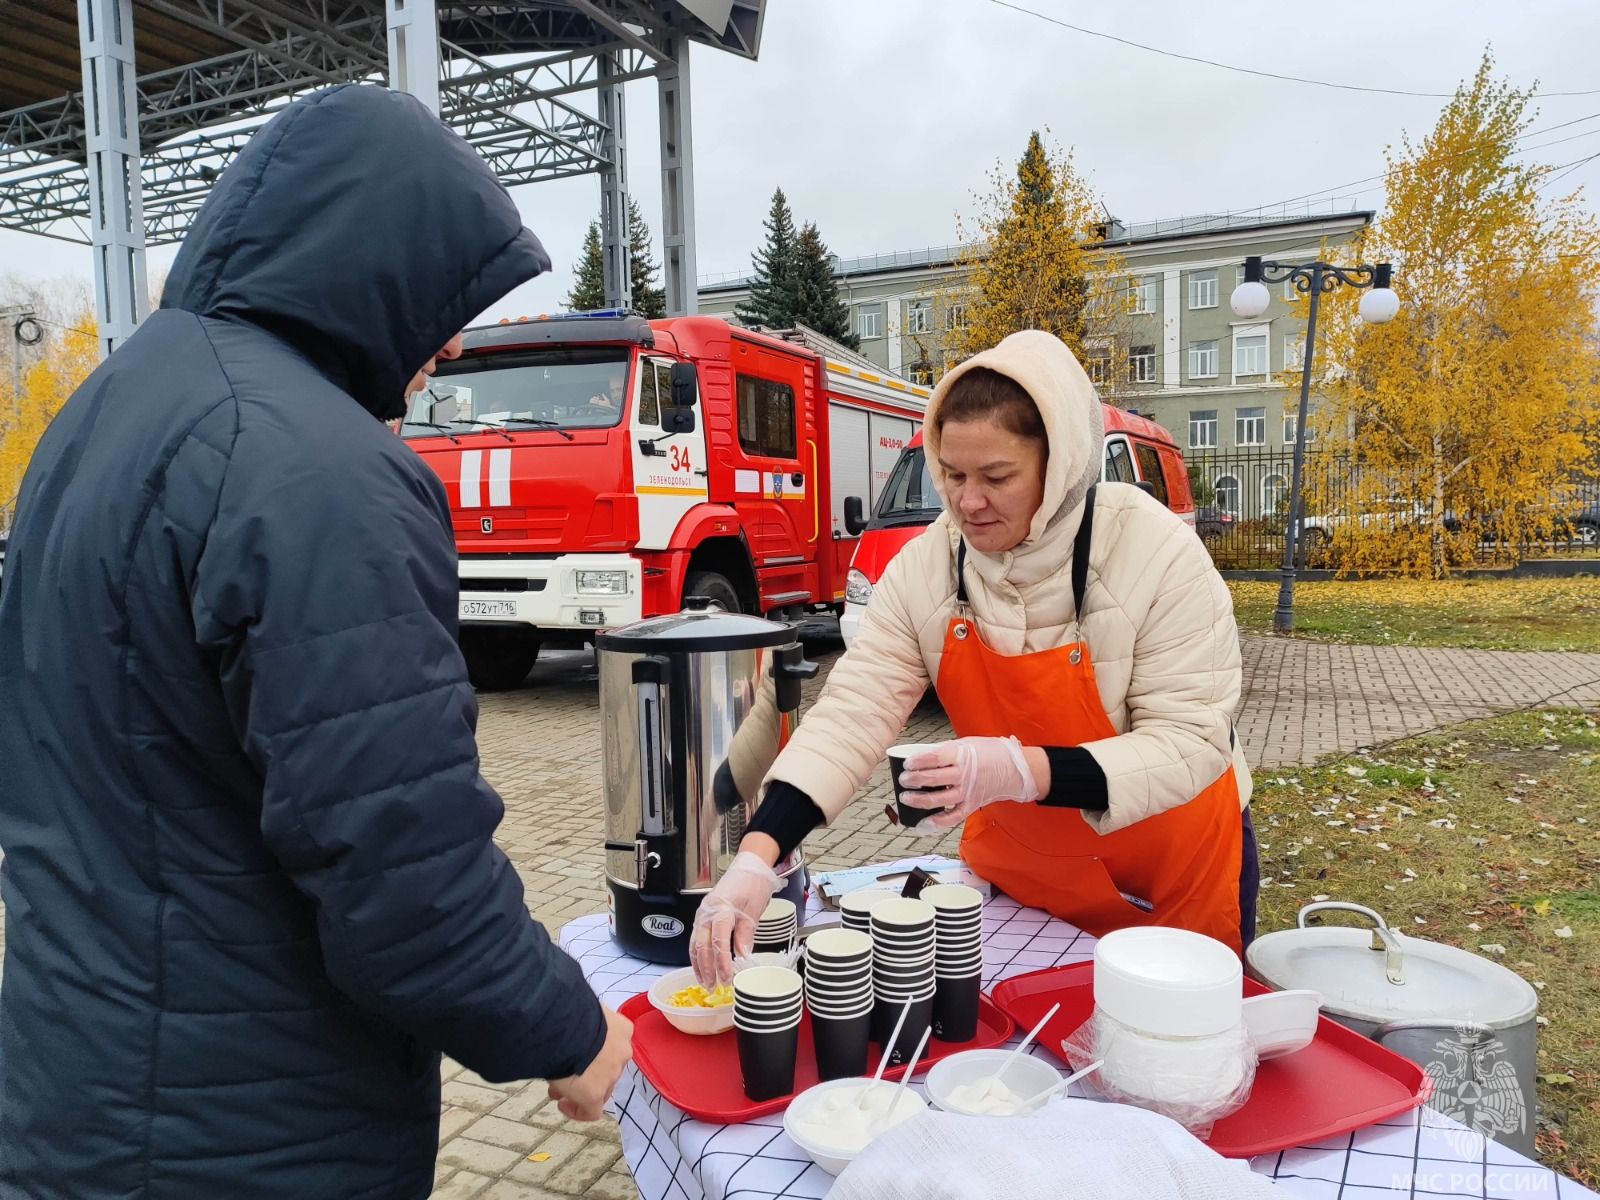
(1379, 305)
(1250, 300)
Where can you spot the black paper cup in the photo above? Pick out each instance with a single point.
(905, 815)
(828, 947)
(843, 1008)
(855, 908)
(955, 1009)
(766, 1060)
(953, 898)
(844, 987)
(841, 1044)
(958, 970)
(901, 916)
(884, 1015)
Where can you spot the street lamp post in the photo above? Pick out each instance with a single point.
(1250, 300)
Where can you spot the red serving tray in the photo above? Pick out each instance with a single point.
(1341, 1081)
(701, 1075)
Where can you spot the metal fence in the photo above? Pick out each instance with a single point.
(1242, 496)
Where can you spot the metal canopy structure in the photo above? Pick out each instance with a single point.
(117, 115)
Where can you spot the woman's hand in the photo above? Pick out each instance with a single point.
(964, 775)
(725, 922)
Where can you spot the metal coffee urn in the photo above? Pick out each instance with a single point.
(694, 708)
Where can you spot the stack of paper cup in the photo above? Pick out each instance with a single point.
(958, 959)
(839, 996)
(903, 943)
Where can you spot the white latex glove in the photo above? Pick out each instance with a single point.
(725, 923)
(964, 775)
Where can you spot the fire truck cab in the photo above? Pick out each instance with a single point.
(601, 468)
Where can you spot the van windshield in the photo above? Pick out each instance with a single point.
(909, 498)
(581, 387)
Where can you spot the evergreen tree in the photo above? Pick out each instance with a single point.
(773, 291)
(818, 303)
(589, 281)
(649, 298)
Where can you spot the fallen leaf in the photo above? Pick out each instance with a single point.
(1320, 898)
(1356, 772)
(540, 1157)
(1564, 932)
(1541, 907)
(1542, 1020)
(1419, 920)
(1492, 948)
(1557, 1079)
(1475, 927)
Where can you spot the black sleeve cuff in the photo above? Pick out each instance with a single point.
(1076, 780)
(786, 815)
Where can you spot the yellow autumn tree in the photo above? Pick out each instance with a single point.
(1030, 260)
(66, 358)
(1469, 418)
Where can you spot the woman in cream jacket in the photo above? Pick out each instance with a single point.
(1085, 650)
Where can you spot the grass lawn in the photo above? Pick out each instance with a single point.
(1486, 614)
(1486, 836)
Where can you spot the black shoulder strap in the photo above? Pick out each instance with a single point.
(1080, 555)
(961, 572)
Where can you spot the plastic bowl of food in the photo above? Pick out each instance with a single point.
(809, 1114)
(693, 1018)
(954, 1082)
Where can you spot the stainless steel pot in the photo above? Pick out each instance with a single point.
(694, 708)
(1470, 1023)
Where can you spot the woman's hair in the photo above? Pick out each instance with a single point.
(982, 394)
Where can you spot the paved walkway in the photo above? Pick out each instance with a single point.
(1302, 701)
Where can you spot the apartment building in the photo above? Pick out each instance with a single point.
(1214, 380)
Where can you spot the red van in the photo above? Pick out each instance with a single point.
(1137, 451)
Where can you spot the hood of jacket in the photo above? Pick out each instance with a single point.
(360, 230)
(1074, 423)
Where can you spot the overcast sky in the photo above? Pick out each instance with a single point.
(879, 118)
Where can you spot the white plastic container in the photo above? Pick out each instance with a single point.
(700, 1022)
(1024, 1079)
(834, 1159)
(1168, 982)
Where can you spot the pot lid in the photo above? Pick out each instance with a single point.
(1404, 979)
(695, 632)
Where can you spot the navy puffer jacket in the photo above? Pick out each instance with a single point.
(250, 884)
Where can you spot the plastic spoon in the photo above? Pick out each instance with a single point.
(1021, 1046)
(894, 1100)
(884, 1061)
(1033, 1102)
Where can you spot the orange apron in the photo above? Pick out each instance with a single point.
(1183, 862)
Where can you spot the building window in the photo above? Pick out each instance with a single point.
(1290, 420)
(766, 417)
(1289, 291)
(1203, 430)
(1274, 491)
(1142, 364)
(1141, 295)
(1249, 354)
(921, 374)
(1294, 352)
(1203, 289)
(869, 323)
(919, 316)
(1097, 361)
(1203, 359)
(1250, 426)
(1227, 489)
(955, 317)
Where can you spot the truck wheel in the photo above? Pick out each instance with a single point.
(498, 659)
(714, 587)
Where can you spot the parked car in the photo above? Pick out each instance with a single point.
(1213, 523)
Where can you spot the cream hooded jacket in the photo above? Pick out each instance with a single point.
(1157, 619)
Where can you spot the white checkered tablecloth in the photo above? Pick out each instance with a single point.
(675, 1157)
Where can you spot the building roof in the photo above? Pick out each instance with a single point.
(1138, 233)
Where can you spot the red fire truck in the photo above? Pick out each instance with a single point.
(602, 467)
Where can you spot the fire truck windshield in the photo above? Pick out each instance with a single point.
(908, 498)
(583, 387)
